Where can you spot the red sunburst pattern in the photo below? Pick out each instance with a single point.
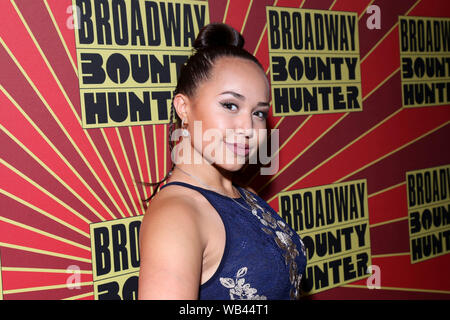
(58, 178)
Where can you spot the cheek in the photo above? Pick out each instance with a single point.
(260, 128)
(215, 124)
(260, 134)
(211, 117)
(260, 124)
(208, 135)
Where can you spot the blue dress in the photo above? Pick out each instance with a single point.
(263, 257)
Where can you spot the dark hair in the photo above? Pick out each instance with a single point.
(215, 40)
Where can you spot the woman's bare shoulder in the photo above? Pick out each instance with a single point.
(171, 248)
(174, 204)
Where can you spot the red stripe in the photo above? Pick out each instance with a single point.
(256, 21)
(131, 157)
(399, 130)
(312, 129)
(317, 4)
(387, 205)
(35, 240)
(376, 67)
(26, 165)
(38, 72)
(389, 238)
(13, 280)
(351, 5)
(26, 259)
(289, 3)
(55, 294)
(420, 154)
(237, 9)
(150, 153)
(390, 10)
(20, 188)
(100, 142)
(398, 272)
(345, 293)
(262, 54)
(140, 150)
(431, 8)
(32, 218)
(60, 10)
(113, 139)
(68, 119)
(159, 141)
(376, 108)
(216, 10)
(18, 126)
(38, 20)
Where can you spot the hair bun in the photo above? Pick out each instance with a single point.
(218, 35)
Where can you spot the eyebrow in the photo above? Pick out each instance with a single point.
(234, 94)
(241, 97)
(263, 104)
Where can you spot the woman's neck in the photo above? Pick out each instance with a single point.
(209, 174)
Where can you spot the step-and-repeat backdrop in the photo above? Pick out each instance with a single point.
(360, 98)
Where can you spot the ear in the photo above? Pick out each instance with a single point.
(181, 103)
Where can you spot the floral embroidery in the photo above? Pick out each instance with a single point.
(239, 290)
(283, 240)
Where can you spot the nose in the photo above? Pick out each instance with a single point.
(244, 125)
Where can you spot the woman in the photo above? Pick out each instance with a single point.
(203, 236)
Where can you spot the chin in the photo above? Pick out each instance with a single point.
(230, 167)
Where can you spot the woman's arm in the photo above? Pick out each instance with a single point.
(171, 251)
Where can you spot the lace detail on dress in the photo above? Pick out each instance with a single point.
(282, 235)
(239, 290)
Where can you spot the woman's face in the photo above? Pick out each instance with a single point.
(228, 110)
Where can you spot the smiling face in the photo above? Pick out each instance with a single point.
(231, 106)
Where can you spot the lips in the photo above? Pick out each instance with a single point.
(239, 148)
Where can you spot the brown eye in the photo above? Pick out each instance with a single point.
(230, 106)
(260, 114)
